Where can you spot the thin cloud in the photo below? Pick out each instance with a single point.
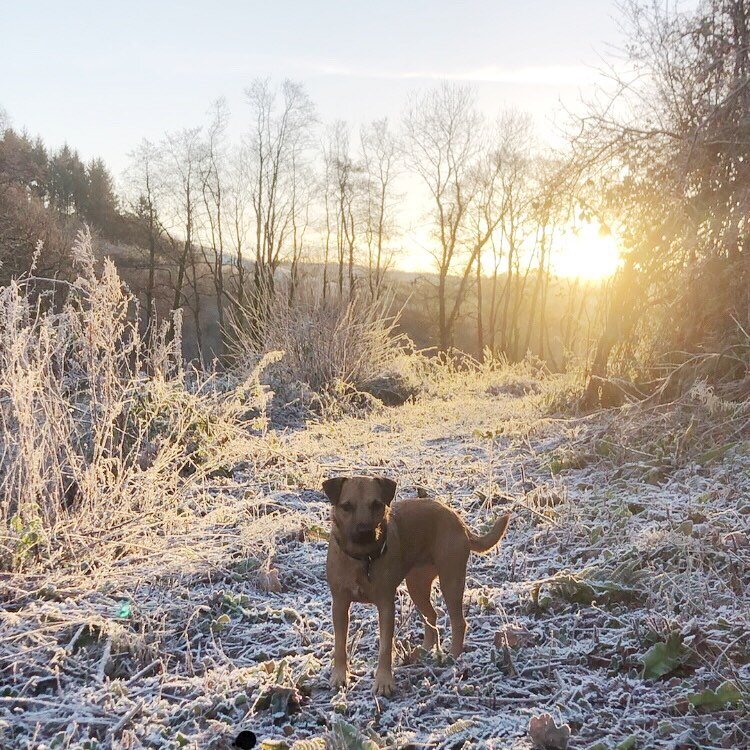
(550, 75)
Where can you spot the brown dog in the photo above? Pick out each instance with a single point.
(373, 547)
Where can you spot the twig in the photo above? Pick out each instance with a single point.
(117, 728)
(104, 661)
(143, 671)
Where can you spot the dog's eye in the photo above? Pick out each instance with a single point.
(347, 507)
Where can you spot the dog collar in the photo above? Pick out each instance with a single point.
(370, 559)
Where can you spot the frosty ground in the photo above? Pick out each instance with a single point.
(623, 538)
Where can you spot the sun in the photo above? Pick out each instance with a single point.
(590, 252)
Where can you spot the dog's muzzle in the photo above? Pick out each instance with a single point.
(365, 536)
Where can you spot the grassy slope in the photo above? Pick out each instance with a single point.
(227, 621)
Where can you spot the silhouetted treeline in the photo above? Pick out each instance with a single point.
(223, 230)
(44, 199)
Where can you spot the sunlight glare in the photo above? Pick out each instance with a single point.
(590, 252)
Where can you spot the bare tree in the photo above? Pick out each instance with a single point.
(668, 152)
(380, 163)
(238, 210)
(302, 183)
(213, 169)
(516, 222)
(144, 181)
(442, 135)
(487, 211)
(550, 209)
(280, 134)
(328, 207)
(182, 153)
(343, 193)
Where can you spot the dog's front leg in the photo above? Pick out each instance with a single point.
(341, 636)
(384, 684)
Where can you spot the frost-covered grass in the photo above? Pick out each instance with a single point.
(106, 440)
(627, 533)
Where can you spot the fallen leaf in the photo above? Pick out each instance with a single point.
(584, 588)
(513, 636)
(547, 735)
(280, 700)
(413, 655)
(347, 737)
(714, 453)
(663, 658)
(220, 623)
(725, 694)
(629, 743)
(317, 743)
(268, 580)
(735, 540)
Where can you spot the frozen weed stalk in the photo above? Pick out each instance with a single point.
(99, 427)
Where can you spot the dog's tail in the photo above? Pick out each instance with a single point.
(491, 538)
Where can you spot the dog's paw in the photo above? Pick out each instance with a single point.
(384, 684)
(338, 678)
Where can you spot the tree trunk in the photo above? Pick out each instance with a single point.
(535, 296)
(443, 337)
(618, 323)
(177, 301)
(504, 338)
(480, 332)
(151, 268)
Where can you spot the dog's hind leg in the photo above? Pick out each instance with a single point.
(452, 580)
(419, 583)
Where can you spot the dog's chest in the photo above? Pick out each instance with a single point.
(358, 587)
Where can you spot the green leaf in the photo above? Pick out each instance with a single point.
(725, 694)
(556, 465)
(714, 453)
(663, 658)
(126, 609)
(220, 622)
(582, 588)
(628, 744)
(348, 737)
(30, 538)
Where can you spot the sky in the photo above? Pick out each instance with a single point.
(103, 75)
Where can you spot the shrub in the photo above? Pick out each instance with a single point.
(334, 349)
(99, 427)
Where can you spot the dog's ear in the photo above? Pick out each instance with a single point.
(332, 488)
(387, 489)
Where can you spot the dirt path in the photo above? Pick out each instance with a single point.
(604, 559)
